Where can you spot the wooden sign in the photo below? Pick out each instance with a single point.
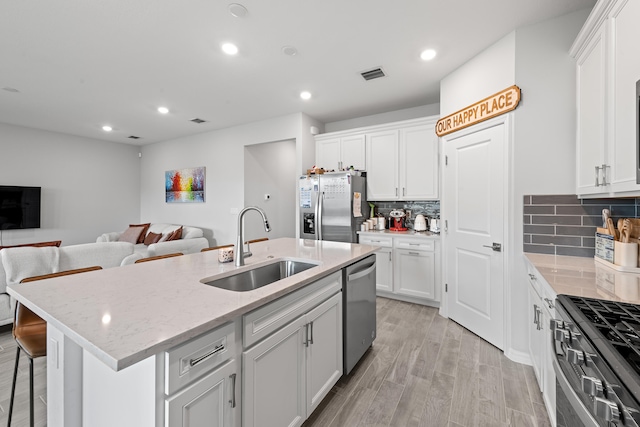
(495, 105)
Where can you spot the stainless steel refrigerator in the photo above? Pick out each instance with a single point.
(332, 206)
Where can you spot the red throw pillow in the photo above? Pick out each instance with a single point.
(145, 227)
(176, 235)
(152, 238)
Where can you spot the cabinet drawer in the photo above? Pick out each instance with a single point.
(267, 319)
(533, 277)
(385, 242)
(416, 244)
(193, 359)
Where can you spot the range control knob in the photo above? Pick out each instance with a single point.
(574, 356)
(592, 386)
(606, 409)
(561, 335)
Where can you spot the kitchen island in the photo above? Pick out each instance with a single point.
(108, 329)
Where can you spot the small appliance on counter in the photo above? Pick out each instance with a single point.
(420, 223)
(397, 220)
(434, 226)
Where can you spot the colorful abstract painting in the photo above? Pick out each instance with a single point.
(184, 185)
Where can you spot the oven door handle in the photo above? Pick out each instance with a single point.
(577, 405)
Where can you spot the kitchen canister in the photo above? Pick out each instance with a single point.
(625, 254)
(225, 254)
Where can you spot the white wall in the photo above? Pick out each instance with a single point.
(222, 153)
(378, 119)
(487, 73)
(270, 169)
(536, 59)
(89, 187)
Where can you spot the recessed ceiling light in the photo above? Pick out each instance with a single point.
(428, 54)
(163, 110)
(237, 10)
(107, 128)
(289, 50)
(305, 95)
(230, 48)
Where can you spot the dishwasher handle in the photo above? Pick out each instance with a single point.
(361, 273)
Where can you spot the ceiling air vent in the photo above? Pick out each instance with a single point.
(198, 121)
(133, 137)
(373, 74)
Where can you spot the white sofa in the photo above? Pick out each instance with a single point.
(19, 263)
(192, 240)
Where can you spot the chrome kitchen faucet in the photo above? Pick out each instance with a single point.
(239, 250)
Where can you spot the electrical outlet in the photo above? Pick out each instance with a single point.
(408, 213)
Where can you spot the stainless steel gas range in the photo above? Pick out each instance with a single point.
(597, 363)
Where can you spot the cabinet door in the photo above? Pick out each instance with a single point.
(274, 376)
(536, 343)
(419, 163)
(208, 402)
(352, 152)
(324, 349)
(382, 165)
(328, 154)
(384, 270)
(414, 273)
(591, 149)
(625, 72)
(548, 354)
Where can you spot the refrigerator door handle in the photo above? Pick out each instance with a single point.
(318, 218)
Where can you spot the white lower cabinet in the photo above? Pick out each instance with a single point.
(209, 402)
(407, 267)
(288, 373)
(415, 273)
(541, 311)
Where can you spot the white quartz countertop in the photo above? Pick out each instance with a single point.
(408, 233)
(125, 314)
(581, 276)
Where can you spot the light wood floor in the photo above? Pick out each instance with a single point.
(423, 370)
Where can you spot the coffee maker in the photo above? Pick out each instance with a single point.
(397, 218)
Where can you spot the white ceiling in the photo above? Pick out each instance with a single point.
(80, 64)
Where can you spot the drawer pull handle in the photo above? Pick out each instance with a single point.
(414, 253)
(233, 390)
(549, 303)
(414, 244)
(217, 349)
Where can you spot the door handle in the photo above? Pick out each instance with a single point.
(497, 247)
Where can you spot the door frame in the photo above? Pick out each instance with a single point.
(508, 213)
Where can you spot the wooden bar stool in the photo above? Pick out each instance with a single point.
(214, 248)
(30, 333)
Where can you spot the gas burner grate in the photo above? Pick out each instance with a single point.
(618, 322)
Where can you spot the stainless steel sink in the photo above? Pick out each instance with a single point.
(261, 276)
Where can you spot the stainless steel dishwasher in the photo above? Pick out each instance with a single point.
(359, 305)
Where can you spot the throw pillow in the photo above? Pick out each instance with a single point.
(176, 235)
(152, 238)
(144, 230)
(131, 235)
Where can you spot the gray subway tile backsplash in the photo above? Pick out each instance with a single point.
(565, 225)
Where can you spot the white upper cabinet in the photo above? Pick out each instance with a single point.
(337, 153)
(606, 100)
(419, 163)
(400, 158)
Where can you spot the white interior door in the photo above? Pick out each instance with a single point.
(474, 186)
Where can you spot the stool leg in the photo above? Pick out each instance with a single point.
(31, 391)
(13, 386)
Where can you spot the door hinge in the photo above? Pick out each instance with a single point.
(446, 287)
(446, 160)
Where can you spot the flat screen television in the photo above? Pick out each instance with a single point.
(19, 207)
